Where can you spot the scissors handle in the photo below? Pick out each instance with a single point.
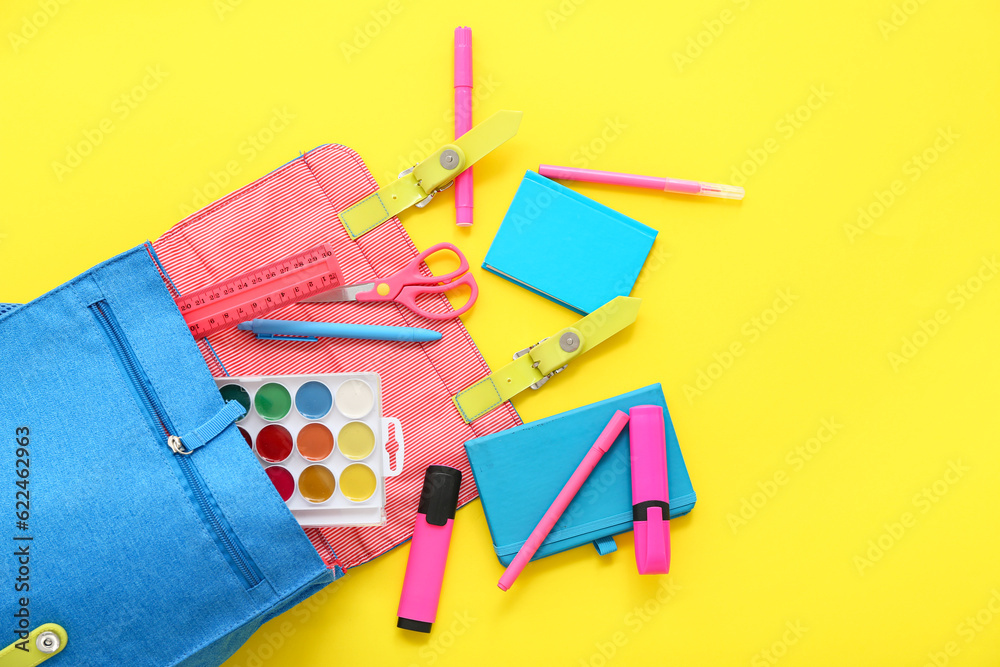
(387, 289)
(409, 293)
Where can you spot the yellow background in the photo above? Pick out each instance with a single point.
(892, 78)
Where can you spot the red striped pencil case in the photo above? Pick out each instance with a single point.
(294, 208)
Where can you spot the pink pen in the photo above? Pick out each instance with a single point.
(650, 502)
(463, 120)
(665, 184)
(544, 527)
(418, 602)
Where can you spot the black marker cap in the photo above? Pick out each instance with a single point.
(410, 624)
(439, 498)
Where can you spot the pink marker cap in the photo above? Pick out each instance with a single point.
(463, 57)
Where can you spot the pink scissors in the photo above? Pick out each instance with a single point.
(404, 287)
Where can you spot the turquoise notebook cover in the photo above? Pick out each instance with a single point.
(567, 247)
(520, 471)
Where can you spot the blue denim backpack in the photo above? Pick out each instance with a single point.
(134, 514)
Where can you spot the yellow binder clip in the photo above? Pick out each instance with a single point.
(418, 185)
(534, 366)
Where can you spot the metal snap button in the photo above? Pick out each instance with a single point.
(569, 342)
(449, 159)
(47, 642)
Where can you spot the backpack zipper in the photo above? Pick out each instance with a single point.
(230, 544)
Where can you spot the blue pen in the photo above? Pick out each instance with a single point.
(294, 330)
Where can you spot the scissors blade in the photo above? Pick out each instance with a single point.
(345, 293)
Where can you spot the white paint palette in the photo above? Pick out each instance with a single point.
(322, 441)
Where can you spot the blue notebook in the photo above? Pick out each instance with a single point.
(520, 471)
(567, 247)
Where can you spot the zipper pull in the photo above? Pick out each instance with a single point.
(175, 444)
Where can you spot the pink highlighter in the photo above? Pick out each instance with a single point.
(418, 602)
(650, 499)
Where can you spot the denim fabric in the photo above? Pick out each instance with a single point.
(123, 554)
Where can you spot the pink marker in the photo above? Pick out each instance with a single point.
(665, 184)
(650, 502)
(463, 120)
(544, 527)
(418, 602)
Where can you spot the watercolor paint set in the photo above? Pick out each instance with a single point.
(322, 441)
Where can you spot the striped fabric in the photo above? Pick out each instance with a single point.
(292, 209)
